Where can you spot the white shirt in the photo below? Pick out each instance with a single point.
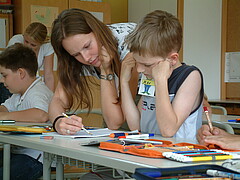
(46, 49)
(36, 96)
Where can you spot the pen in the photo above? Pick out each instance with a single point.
(212, 172)
(7, 121)
(141, 141)
(234, 120)
(208, 119)
(82, 126)
(114, 135)
(139, 136)
(46, 137)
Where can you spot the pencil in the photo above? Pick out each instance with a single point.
(82, 126)
(208, 119)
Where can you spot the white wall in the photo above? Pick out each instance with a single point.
(137, 9)
(202, 41)
(201, 36)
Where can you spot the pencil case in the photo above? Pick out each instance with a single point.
(148, 150)
(184, 172)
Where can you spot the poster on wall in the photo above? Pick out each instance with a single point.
(232, 67)
(44, 15)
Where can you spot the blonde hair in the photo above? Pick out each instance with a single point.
(158, 34)
(38, 32)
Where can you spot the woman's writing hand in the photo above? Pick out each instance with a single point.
(69, 126)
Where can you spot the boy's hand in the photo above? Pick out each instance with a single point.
(127, 66)
(162, 70)
(106, 62)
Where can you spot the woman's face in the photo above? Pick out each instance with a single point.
(84, 48)
(29, 42)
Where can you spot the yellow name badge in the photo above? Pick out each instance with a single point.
(148, 82)
(146, 87)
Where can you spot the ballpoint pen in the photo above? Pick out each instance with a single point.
(82, 126)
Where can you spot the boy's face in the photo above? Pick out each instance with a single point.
(10, 79)
(145, 64)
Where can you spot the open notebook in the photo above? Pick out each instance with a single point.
(101, 132)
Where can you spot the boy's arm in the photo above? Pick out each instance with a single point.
(29, 115)
(129, 108)
(171, 116)
(3, 109)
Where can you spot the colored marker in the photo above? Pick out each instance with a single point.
(212, 172)
(46, 137)
(139, 136)
(114, 135)
(234, 120)
(141, 141)
(7, 121)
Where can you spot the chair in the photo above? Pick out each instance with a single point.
(219, 110)
(220, 125)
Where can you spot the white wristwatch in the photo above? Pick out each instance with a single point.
(108, 77)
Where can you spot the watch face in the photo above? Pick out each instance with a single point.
(110, 77)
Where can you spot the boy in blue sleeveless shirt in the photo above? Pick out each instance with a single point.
(172, 106)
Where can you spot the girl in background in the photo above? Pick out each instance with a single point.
(35, 37)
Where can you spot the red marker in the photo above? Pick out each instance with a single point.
(114, 135)
(46, 137)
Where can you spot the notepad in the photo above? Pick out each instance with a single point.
(101, 132)
(201, 155)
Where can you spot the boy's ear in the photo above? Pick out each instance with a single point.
(22, 73)
(174, 58)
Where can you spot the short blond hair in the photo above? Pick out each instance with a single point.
(158, 34)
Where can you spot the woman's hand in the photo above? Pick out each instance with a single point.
(106, 62)
(69, 126)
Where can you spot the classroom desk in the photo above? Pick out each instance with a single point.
(232, 106)
(65, 147)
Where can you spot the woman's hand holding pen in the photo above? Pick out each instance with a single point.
(69, 126)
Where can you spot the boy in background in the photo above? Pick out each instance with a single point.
(173, 105)
(29, 103)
